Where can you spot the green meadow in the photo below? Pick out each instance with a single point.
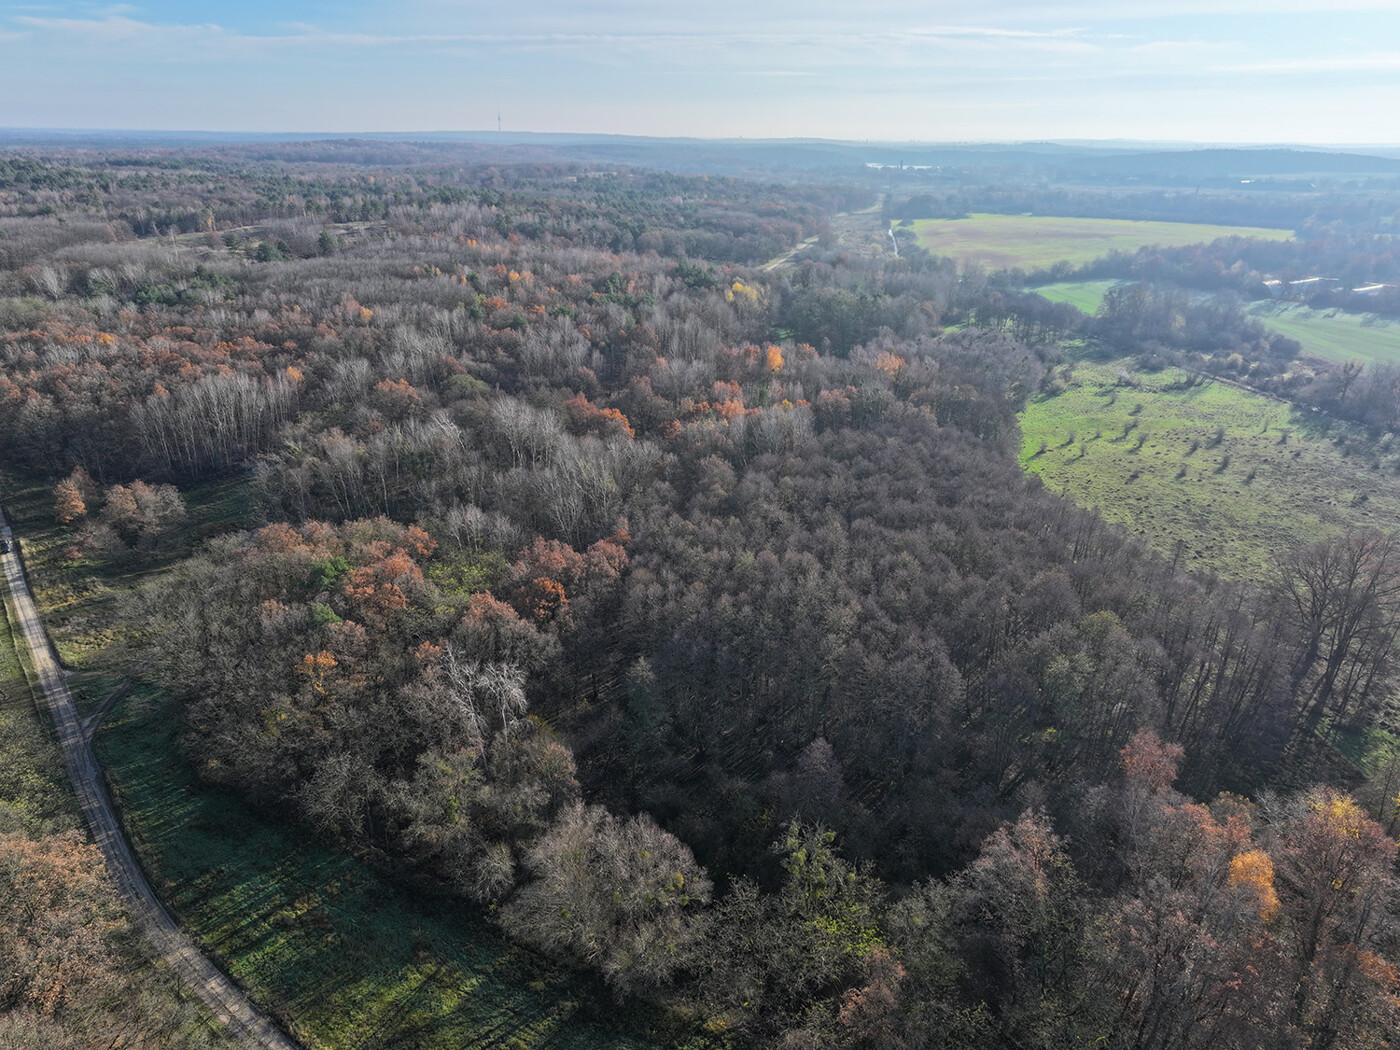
(1333, 335)
(1220, 476)
(1085, 296)
(1032, 242)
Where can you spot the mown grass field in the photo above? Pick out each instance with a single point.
(1225, 477)
(339, 953)
(1034, 241)
(1334, 335)
(36, 800)
(1086, 296)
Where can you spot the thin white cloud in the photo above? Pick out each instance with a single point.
(996, 32)
(1371, 63)
(121, 29)
(1138, 10)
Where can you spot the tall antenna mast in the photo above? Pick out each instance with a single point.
(498, 122)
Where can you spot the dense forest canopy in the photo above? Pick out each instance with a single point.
(695, 616)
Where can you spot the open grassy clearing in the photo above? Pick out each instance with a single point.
(335, 951)
(1334, 335)
(1035, 241)
(1227, 477)
(1086, 296)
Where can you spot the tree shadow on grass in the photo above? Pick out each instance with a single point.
(340, 951)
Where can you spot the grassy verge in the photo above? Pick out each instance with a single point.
(1216, 475)
(340, 954)
(1035, 241)
(35, 796)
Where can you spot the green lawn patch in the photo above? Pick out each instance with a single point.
(1334, 335)
(338, 952)
(1032, 242)
(1220, 476)
(1086, 296)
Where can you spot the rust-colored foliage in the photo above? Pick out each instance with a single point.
(543, 600)
(68, 503)
(377, 589)
(1150, 763)
(1255, 870)
(396, 399)
(58, 910)
(315, 667)
(584, 417)
(550, 574)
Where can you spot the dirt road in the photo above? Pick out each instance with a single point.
(224, 999)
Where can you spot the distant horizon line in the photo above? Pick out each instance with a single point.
(505, 137)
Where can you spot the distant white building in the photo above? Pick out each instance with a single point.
(1302, 287)
(1312, 284)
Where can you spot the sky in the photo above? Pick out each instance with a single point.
(1227, 71)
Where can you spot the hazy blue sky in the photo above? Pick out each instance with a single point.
(1204, 70)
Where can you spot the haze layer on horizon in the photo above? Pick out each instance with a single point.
(1237, 71)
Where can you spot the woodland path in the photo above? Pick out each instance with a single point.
(225, 1000)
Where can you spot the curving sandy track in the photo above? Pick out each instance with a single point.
(215, 989)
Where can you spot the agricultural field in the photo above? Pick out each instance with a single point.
(1032, 242)
(1333, 335)
(1205, 471)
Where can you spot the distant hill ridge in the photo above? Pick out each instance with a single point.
(1117, 159)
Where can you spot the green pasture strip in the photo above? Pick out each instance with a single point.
(1086, 296)
(1035, 241)
(1333, 335)
(1310, 475)
(35, 796)
(337, 952)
